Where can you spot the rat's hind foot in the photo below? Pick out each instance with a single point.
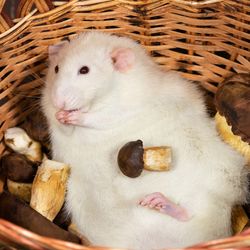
(159, 202)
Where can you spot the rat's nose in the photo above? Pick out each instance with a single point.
(59, 95)
(58, 100)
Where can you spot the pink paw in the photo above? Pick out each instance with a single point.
(72, 117)
(159, 202)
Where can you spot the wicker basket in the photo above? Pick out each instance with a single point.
(206, 40)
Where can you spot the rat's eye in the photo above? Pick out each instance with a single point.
(84, 70)
(56, 69)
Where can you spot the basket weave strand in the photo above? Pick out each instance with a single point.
(25, 6)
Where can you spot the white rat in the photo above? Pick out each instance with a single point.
(103, 91)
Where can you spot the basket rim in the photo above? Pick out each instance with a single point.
(35, 14)
(11, 233)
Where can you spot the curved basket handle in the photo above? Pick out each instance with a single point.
(25, 6)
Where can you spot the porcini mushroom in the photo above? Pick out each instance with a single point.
(232, 101)
(20, 213)
(133, 158)
(20, 190)
(18, 168)
(49, 188)
(18, 140)
(20, 173)
(63, 218)
(36, 127)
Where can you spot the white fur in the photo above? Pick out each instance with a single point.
(207, 177)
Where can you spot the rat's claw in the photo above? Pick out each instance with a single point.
(69, 117)
(73, 117)
(148, 199)
(157, 203)
(60, 115)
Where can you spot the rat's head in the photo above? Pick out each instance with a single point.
(83, 70)
(89, 70)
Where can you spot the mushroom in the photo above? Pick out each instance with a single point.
(19, 189)
(18, 140)
(18, 168)
(36, 126)
(63, 218)
(20, 173)
(49, 188)
(133, 158)
(20, 213)
(232, 101)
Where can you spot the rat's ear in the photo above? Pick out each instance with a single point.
(123, 59)
(53, 50)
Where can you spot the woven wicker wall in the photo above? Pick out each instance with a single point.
(205, 40)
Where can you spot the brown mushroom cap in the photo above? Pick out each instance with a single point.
(130, 158)
(36, 127)
(20, 213)
(233, 102)
(63, 219)
(18, 168)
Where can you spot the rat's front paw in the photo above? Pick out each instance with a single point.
(159, 202)
(70, 117)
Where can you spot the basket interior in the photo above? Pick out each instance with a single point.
(205, 40)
